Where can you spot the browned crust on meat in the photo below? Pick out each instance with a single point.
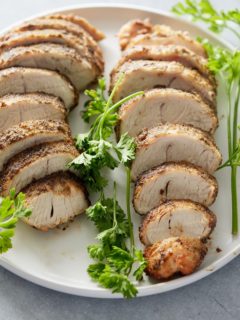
(9, 71)
(86, 46)
(28, 156)
(168, 53)
(96, 34)
(49, 183)
(127, 106)
(34, 127)
(9, 100)
(156, 255)
(166, 167)
(131, 29)
(147, 137)
(161, 67)
(158, 212)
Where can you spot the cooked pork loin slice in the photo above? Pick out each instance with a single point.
(168, 53)
(30, 133)
(162, 35)
(172, 256)
(165, 106)
(146, 74)
(17, 108)
(83, 23)
(131, 29)
(35, 163)
(172, 181)
(177, 218)
(66, 61)
(33, 80)
(85, 46)
(55, 200)
(175, 143)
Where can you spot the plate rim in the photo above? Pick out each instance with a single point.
(146, 290)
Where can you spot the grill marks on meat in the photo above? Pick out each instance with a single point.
(187, 144)
(54, 200)
(18, 108)
(146, 74)
(174, 181)
(35, 163)
(29, 80)
(175, 219)
(66, 61)
(158, 106)
(30, 133)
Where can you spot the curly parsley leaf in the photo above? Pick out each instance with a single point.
(11, 210)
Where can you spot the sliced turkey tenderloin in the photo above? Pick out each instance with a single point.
(172, 181)
(32, 80)
(168, 53)
(35, 163)
(146, 74)
(165, 106)
(31, 133)
(55, 200)
(162, 35)
(175, 143)
(80, 21)
(172, 256)
(177, 218)
(85, 46)
(17, 108)
(66, 61)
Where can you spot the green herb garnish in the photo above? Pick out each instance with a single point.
(11, 210)
(115, 264)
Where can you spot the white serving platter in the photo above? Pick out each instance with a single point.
(58, 259)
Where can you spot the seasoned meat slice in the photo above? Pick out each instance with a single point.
(33, 80)
(52, 23)
(178, 255)
(146, 74)
(172, 181)
(55, 200)
(17, 108)
(30, 133)
(175, 219)
(162, 35)
(168, 53)
(85, 46)
(131, 29)
(35, 163)
(79, 21)
(158, 106)
(175, 143)
(66, 61)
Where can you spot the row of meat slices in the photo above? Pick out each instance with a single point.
(173, 123)
(44, 63)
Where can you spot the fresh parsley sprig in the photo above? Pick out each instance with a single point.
(203, 10)
(115, 264)
(12, 208)
(97, 150)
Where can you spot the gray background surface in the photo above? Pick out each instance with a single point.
(216, 297)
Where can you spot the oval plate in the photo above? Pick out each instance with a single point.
(58, 259)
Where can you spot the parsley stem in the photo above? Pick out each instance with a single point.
(234, 199)
(128, 204)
